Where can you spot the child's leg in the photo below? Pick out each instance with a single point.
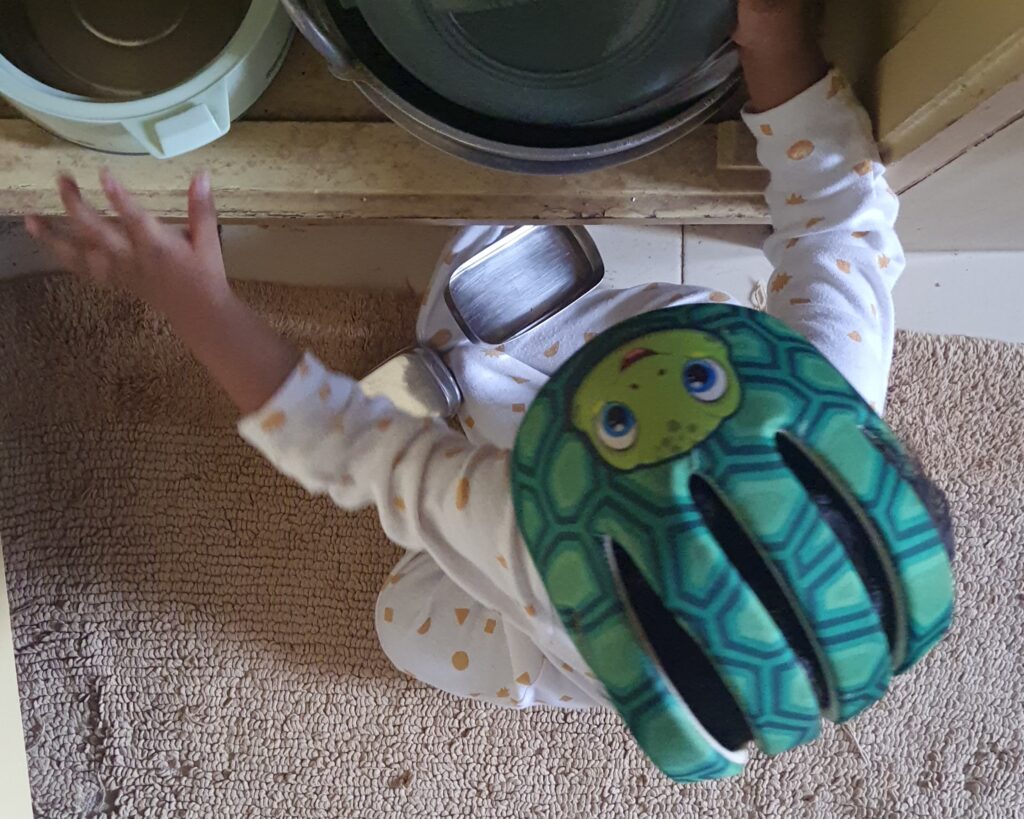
(431, 629)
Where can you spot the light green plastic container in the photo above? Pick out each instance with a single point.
(173, 122)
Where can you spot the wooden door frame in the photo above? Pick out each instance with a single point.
(951, 80)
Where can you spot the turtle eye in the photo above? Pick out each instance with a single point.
(617, 426)
(705, 380)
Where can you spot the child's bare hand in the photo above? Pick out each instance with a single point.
(779, 49)
(156, 262)
(776, 25)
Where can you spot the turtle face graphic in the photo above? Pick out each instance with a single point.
(656, 398)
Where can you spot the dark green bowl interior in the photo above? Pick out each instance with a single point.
(365, 46)
(553, 62)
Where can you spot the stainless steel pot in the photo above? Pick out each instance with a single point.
(354, 55)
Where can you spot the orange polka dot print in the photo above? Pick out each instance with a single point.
(800, 150)
(462, 494)
(273, 422)
(779, 282)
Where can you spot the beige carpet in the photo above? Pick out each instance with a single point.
(195, 636)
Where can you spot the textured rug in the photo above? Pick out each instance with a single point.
(195, 637)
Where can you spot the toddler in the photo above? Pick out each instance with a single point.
(468, 609)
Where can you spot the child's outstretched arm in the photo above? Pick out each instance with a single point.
(834, 249)
(433, 490)
(180, 275)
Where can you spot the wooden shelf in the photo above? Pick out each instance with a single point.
(375, 171)
(314, 149)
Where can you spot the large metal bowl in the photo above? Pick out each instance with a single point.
(354, 54)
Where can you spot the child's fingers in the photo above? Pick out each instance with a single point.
(202, 216)
(35, 226)
(42, 230)
(62, 248)
(85, 220)
(67, 187)
(142, 227)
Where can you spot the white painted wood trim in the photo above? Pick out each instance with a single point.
(1003, 108)
(959, 54)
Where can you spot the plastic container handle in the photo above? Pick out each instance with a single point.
(203, 120)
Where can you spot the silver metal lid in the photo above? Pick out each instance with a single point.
(417, 382)
(521, 280)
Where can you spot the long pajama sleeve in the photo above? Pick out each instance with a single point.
(834, 248)
(437, 494)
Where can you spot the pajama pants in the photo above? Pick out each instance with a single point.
(428, 625)
(429, 628)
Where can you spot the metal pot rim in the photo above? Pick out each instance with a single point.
(316, 23)
(395, 105)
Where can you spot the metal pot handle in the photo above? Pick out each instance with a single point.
(315, 23)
